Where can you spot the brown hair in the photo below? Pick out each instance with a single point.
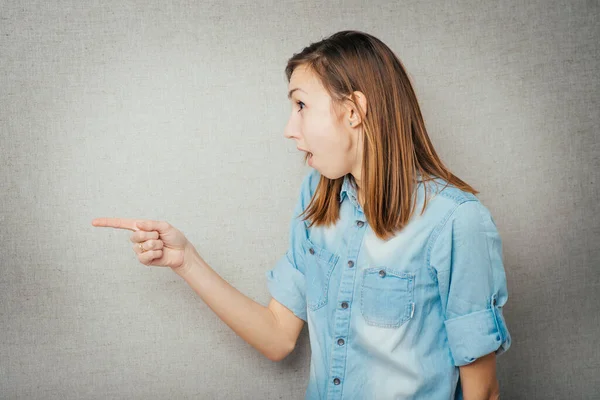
(396, 146)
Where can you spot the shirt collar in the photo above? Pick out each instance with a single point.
(347, 189)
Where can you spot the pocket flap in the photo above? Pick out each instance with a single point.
(312, 249)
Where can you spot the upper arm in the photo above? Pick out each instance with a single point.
(478, 379)
(467, 260)
(286, 281)
(289, 324)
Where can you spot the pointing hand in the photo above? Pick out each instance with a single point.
(155, 242)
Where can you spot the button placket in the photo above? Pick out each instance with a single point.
(339, 351)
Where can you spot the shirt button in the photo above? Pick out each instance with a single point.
(382, 273)
(360, 223)
(494, 302)
(311, 251)
(344, 305)
(336, 381)
(350, 264)
(341, 342)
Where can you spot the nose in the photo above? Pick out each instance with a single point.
(288, 131)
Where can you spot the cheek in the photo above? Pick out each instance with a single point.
(341, 141)
(327, 143)
(322, 135)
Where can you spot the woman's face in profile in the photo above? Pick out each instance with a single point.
(315, 126)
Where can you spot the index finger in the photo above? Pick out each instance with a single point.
(121, 223)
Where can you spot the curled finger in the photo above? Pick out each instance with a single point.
(142, 236)
(147, 257)
(148, 245)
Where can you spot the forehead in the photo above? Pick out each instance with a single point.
(304, 78)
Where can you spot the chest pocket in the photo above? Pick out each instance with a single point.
(318, 269)
(387, 297)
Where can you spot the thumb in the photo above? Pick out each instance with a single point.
(150, 225)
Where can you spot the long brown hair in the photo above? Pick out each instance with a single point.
(396, 146)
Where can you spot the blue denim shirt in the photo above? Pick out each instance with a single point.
(395, 319)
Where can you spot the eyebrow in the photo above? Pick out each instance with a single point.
(293, 90)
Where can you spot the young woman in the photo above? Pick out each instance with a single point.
(393, 261)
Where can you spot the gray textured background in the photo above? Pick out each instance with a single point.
(175, 111)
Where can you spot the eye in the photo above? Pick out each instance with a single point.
(299, 103)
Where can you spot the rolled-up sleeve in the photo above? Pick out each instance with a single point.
(287, 285)
(286, 281)
(467, 259)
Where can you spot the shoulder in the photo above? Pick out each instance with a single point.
(309, 183)
(454, 196)
(452, 202)
(459, 212)
(307, 189)
(464, 223)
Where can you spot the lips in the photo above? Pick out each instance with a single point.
(306, 151)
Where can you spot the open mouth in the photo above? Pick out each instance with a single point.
(308, 155)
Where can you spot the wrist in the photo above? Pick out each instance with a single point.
(191, 260)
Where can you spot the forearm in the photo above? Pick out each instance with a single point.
(478, 379)
(481, 392)
(253, 322)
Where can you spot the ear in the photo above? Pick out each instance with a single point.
(353, 117)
